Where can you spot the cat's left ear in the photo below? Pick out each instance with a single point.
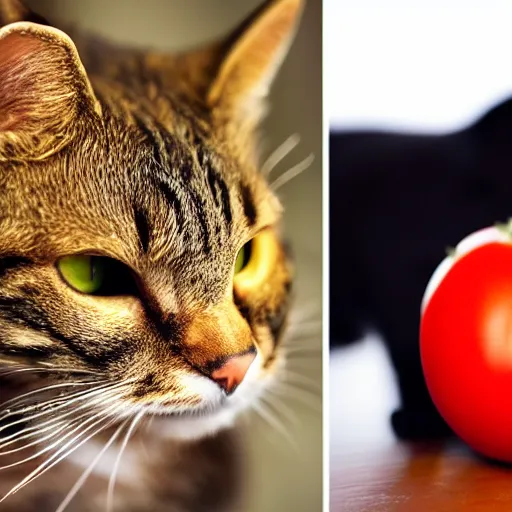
(254, 54)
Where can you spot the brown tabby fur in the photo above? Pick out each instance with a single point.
(149, 159)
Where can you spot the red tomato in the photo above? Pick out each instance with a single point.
(466, 341)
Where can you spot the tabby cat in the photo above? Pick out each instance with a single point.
(142, 274)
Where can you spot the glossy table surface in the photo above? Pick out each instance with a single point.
(372, 472)
(418, 478)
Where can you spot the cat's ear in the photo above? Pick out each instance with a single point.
(253, 56)
(44, 91)
(12, 11)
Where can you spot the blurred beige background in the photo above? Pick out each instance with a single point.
(283, 478)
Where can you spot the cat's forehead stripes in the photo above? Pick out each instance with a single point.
(143, 229)
(218, 188)
(248, 204)
(204, 196)
(190, 207)
(185, 138)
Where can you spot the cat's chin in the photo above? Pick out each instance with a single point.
(190, 426)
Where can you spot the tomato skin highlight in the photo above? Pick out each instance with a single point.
(466, 348)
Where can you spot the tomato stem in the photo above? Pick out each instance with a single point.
(505, 228)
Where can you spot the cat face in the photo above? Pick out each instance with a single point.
(139, 244)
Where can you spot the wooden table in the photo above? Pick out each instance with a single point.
(372, 472)
(418, 478)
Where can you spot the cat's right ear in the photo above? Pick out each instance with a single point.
(45, 94)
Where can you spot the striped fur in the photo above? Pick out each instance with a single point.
(149, 159)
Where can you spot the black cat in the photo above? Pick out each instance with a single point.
(397, 202)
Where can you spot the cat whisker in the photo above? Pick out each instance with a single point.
(142, 439)
(5, 372)
(79, 395)
(282, 407)
(290, 376)
(101, 392)
(112, 480)
(20, 398)
(60, 440)
(85, 475)
(273, 422)
(249, 423)
(311, 400)
(279, 154)
(150, 421)
(52, 424)
(55, 458)
(49, 406)
(107, 397)
(67, 398)
(288, 175)
(55, 429)
(147, 427)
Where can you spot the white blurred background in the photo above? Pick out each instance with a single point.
(429, 66)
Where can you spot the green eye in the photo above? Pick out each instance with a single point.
(83, 273)
(243, 257)
(97, 275)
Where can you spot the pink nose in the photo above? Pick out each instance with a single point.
(232, 372)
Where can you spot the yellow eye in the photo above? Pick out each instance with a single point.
(256, 261)
(97, 275)
(243, 257)
(83, 273)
